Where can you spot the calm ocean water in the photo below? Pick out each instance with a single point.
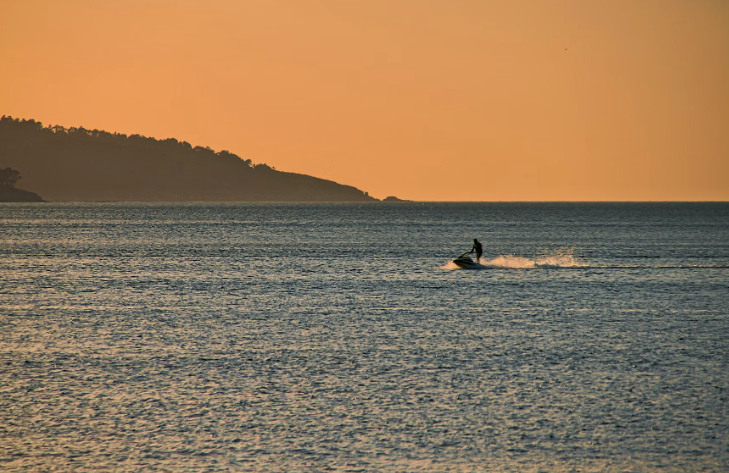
(336, 337)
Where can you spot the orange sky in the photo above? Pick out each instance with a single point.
(423, 99)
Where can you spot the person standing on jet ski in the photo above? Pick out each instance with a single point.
(478, 249)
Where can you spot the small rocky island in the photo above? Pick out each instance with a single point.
(392, 198)
(9, 193)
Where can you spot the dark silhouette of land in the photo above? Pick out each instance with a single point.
(8, 193)
(76, 164)
(18, 195)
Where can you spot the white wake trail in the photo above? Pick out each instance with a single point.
(559, 259)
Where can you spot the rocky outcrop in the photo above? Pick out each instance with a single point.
(11, 194)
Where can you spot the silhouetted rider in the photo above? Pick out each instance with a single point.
(478, 249)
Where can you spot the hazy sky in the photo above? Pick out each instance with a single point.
(422, 99)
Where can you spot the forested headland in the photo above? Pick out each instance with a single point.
(76, 164)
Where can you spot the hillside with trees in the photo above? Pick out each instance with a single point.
(76, 164)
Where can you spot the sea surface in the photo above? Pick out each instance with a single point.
(338, 337)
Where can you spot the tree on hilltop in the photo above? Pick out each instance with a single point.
(9, 177)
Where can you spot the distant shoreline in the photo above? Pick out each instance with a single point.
(81, 165)
(417, 202)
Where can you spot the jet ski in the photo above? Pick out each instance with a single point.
(465, 262)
